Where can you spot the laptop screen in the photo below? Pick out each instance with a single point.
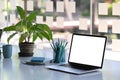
(87, 49)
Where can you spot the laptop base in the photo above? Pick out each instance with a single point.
(70, 69)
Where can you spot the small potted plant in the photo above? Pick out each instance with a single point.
(28, 31)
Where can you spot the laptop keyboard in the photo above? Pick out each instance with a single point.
(69, 66)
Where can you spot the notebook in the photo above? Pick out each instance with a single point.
(86, 54)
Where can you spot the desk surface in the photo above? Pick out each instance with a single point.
(14, 69)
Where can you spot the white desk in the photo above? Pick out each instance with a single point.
(14, 69)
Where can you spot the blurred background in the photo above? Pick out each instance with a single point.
(64, 17)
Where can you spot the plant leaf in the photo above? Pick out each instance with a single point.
(45, 28)
(45, 35)
(30, 27)
(40, 36)
(21, 12)
(11, 36)
(32, 16)
(48, 30)
(23, 37)
(34, 36)
(9, 28)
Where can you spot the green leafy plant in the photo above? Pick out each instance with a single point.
(27, 29)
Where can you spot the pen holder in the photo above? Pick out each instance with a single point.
(59, 55)
(59, 50)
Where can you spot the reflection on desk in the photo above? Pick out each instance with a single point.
(14, 69)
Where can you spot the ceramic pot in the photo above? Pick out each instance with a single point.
(26, 49)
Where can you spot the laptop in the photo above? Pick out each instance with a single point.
(86, 54)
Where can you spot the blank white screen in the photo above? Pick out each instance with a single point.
(87, 50)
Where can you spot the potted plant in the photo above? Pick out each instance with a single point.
(28, 31)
